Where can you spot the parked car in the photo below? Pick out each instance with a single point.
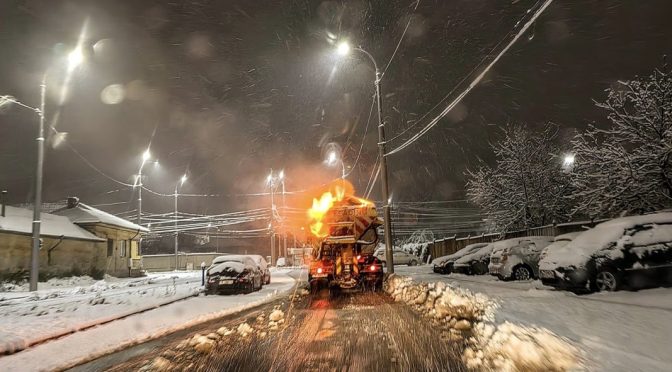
(263, 266)
(444, 264)
(612, 254)
(517, 258)
(400, 257)
(475, 263)
(218, 260)
(235, 274)
(559, 242)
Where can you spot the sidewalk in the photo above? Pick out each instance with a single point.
(29, 318)
(95, 342)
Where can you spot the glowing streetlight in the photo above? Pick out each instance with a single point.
(333, 159)
(75, 58)
(146, 155)
(568, 161)
(343, 48)
(183, 179)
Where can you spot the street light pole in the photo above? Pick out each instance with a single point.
(387, 219)
(284, 214)
(177, 232)
(270, 184)
(37, 206)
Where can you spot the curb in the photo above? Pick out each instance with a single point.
(161, 333)
(9, 348)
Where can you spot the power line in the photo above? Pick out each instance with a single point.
(477, 80)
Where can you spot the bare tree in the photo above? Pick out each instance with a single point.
(628, 167)
(527, 186)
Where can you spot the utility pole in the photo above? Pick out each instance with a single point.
(37, 206)
(387, 218)
(177, 232)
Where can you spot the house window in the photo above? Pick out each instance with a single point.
(110, 247)
(123, 244)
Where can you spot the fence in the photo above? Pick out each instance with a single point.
(186, 261)
(450, 245)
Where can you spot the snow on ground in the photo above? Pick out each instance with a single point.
(95, 342)
(61, 306)
(621, 331)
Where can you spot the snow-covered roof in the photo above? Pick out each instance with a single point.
(20, 220)
(84, 214)
(579, 251)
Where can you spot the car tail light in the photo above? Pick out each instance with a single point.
(319, 270)
(373, 267)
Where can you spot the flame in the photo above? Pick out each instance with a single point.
(337, 192)
(320, 208)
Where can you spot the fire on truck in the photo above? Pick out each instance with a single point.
(344, 229)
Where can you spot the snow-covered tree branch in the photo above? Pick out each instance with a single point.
(628, 167)
(527, 187)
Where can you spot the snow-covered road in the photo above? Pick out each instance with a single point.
(132, 329)
(622, 331)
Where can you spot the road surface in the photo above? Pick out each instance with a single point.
(354, 332)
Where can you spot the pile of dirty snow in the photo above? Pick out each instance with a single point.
(469, 318)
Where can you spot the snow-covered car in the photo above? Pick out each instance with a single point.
(517, 258)
(400, 257)
(263, 266)
(444, 264)
(613, 253)
(235, 274)
(475, 263)
(559, 242)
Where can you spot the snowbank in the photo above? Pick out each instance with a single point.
(469, 318)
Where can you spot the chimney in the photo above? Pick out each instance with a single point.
(3, 201)
(73, 201)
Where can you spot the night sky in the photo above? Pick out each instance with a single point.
(227, 90)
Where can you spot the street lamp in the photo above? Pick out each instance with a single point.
(179, 183)
(343, 49)
(568, 161)
(333, 159)
(75, 58)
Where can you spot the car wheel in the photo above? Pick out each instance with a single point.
(522, 272)
(413, 263)
(607, 280)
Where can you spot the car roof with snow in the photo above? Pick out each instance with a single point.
(583, 247)
(466, 250)
(479, 254)
(568, 236)
(540, 241)
(229, 258)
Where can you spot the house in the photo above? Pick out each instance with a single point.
(66, 249)
(121, 236)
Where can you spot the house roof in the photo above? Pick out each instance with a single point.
(20, 220)
(85, 214)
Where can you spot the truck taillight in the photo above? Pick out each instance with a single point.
(319, 270)
(373, 267)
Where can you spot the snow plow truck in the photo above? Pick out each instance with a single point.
(346, 238)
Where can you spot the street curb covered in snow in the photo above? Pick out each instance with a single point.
(171, 329)
(11, 347)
